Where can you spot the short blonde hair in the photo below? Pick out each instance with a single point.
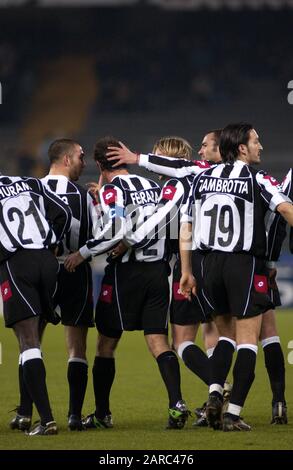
(173, 147)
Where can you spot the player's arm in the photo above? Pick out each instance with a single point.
(287, 187)
(276, 224)
(165, 216)
(94, 214)
(174, 167)
(276, 234)
(187, 281)
(286, 211)
(107, 235)
(275, 198)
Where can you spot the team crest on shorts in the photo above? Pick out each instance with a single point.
(106, 293)
(261, 284)
(177, 292)
(6, 291)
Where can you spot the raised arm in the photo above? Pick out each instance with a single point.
(174, 167)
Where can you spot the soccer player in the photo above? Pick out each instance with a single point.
(164, 160)
(230, 202)
(74, 293)
(135, 290)
(276, 227)
(74, 290)
(274, 358)
(178, 168)
(185, 316)
(33, 220)
(270, 341)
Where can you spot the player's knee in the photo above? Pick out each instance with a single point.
(268, 330)
(106, 346)
(157, 344)
(77, 351)
(28, 338)
(77, 346)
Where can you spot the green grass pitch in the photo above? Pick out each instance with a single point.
(139, 401)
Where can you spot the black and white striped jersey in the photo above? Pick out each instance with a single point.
(228, 203)
(83, 208)
(277, 225)
(174, 167)
(165, 221)
(126, 204)
(31, 216)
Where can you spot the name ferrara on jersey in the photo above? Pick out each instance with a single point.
(31, 217)
(229, 203)
(165, 221)
(126, 204)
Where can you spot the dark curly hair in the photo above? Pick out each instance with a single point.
(100, 150)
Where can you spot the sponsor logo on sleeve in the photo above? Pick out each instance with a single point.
(201, 163)
(272, 180)
(109, 196)
(6, 291)
(169, 192)
(260, 284)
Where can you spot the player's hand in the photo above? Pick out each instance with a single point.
(122, 154)
(118, 250)
(187, 285)
(272, 279)
(72, 261)
(95, 187)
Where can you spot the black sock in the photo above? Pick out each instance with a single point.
(221, 361)
(274, 361)
(243, 376)
(34, 375)
(196, 360)
(103, 378)
(26, 404)
(77, 380)
(170, 372)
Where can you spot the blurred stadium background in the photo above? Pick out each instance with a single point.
(140, 70)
